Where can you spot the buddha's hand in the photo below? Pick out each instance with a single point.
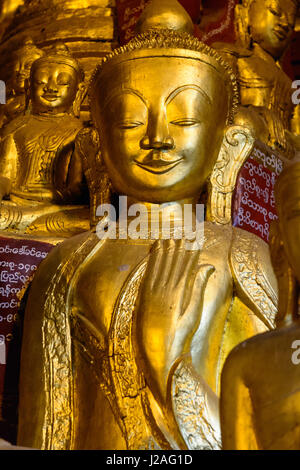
(168, 310)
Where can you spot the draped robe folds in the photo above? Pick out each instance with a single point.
(67, 357)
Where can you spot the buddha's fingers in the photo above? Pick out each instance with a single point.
(194, 297)
(183, 262)
(151, 278)
(169, 248)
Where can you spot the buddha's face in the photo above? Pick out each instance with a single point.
(53, 88)
(271, 24)
(289, 217)
(21, 71)
(161, 124)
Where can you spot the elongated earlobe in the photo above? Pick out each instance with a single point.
(236, 147)
(80, 95)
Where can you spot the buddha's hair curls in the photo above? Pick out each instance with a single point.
(168, 39)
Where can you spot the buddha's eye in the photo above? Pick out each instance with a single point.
(40, 82)
(130, 124)
(274, 11)
(185, 122)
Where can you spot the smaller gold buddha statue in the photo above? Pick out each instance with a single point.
(260, 387)
(41, 177)
(264, 29)
(23, 59)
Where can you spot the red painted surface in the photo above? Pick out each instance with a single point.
(253, 200)
(19, 260)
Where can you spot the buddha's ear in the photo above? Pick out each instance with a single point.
(80, 95)
(27, 94)
(235, 149)
(87, 146)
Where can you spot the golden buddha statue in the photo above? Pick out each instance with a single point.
(125, 335)
(23, 60)
(264, 29)
(260, 380)
(40, 175)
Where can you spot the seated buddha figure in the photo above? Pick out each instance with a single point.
(125, 336)
(39, 171)
(260, 381)
(264, 29)
(23, 59)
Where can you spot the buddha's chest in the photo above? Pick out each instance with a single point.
(111, 271)
(38, 144)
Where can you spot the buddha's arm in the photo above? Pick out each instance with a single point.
(8, 165)
(76, 180)
(69, 176)
(237, 426)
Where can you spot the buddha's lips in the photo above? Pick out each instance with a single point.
(159, 166)
(280, 33)
(21, 77)
(50, 97)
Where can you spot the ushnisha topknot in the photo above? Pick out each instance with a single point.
(60, 54)
(168, 39)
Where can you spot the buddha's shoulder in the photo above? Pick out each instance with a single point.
(65, 258)
(13, 126)
(247, 242)
(235, 50)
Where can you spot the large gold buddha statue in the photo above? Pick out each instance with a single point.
(40, 174)
(264, 29)
(260, 402)
(125, 337)
(23, 60)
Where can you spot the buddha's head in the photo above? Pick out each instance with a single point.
(23, 59)
(269, 23)
(287, 195)
(163, 105)
(56, 82)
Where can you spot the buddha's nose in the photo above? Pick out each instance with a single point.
(21, 70)
(51, 85)
(157, 135)
(284, 23)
